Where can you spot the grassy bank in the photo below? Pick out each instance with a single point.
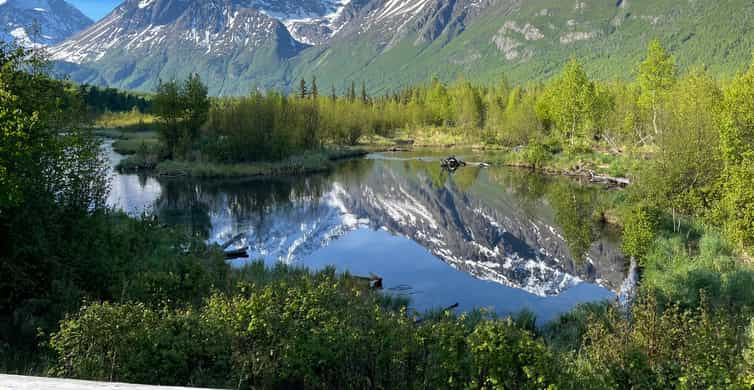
(308, 163)
(129, 143)
(432, 137)
(131, 121)
(567, 163)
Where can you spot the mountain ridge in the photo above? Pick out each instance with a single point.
(394, 43)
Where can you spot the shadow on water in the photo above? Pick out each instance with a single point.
(497, 237)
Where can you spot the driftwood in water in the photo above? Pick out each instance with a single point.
(374, 281)
(237, 253)
(596, 178)
(478, 164)
(615, 181)
(452, 163)
(449, 308)
(233, 240)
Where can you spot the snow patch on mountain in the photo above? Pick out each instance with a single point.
(37, 23)
(312, 26)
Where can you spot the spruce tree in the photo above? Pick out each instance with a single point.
(302, 89)
(352, 92)
(315, 90)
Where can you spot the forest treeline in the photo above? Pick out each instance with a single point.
(696, 131)
(90, 293)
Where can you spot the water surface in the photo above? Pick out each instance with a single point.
(498, 238)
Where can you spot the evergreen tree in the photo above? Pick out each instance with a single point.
(352, 92)
(333, 94)
(303, 92)
(364, 96)
(315, 90)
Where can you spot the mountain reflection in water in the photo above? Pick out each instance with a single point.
(495, 237)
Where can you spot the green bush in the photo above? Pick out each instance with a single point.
(638, 231)
(288, 328)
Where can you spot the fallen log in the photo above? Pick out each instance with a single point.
(478, 164)
(237, 253)
(617, 181)
(452, 163)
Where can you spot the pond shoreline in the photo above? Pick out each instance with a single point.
(301, 165)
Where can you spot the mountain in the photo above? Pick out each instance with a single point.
(527, 40)
(34, 23)
(143, 41)
(237, 45)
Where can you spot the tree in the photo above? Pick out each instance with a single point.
(352, 92)
(168, 107)
(302, 90)
(52, 182)
(315, 90)
(333, 94)
(737, 145)
(14, 148)
(468, 105)
(364, 96)
(196, 107)
(438, 103)
(570, 102)
(639, 232)
(657, 74)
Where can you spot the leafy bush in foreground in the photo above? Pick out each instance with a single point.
(301, 331)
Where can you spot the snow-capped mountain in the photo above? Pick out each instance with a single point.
(235, 44)
(35, 23)
(240, 45)
(214, 27)
(142, 41)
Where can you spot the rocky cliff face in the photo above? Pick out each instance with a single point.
(35, 23)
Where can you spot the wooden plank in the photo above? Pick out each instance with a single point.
(15, 382)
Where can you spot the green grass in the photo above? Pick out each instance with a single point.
(309, 163)
(129, 121)
(132, 143)
(617, 165)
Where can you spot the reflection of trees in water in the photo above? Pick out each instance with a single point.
(573, 204)
(180, 204)
(529, 189)
(190, 202)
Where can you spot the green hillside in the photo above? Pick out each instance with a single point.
(613, 37)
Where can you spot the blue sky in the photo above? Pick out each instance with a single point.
(95, 9)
